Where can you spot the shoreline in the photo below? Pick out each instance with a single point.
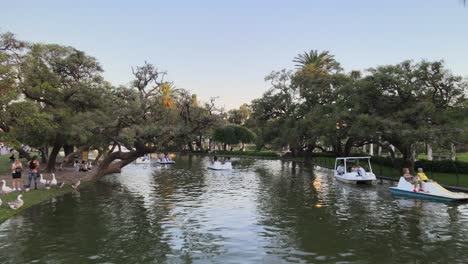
(68, 175)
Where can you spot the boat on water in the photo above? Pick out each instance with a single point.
(143, 160)
(349, 170)
(432, 191)
(220, 166)
(165, 161)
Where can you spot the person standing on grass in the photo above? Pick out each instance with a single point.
(16, 170)
(33, 171)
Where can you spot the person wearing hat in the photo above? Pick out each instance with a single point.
(421, 175)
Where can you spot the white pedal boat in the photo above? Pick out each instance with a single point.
(432, 190)
(220, 166)
(143, 160)
(164, 161)
(342, 173)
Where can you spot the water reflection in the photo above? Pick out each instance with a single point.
(261, 212)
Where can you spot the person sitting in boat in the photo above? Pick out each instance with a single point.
(227, 160)
(361, 171)
(413, 180)
(168, 157)
(354, 168)
(422, 176)
(83, 166)
(340, 169)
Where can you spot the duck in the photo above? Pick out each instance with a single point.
(42, 180)
(75, 186)
(53, 181)
(5, 189)
(16, 204)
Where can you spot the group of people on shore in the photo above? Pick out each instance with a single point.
(416, 180)
(83, 166)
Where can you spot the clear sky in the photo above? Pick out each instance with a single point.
(225, 48)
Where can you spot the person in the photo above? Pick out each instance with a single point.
(354, 168)
(168, 157)
(340, 169)
(215, 160)
(227, 160)
(33, 172)
(16, 170)
(83, 167)
(361, 171)
(412, 179)
(89, 166)
(421, 175)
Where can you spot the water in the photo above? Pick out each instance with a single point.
(262, 212)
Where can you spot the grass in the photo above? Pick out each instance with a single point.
(30, 198)
(459, 156)
(451, 179)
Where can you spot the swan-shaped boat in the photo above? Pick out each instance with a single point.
(16, 204)
(220, 166)
(344, 173)
(432, 190)
(5, 189)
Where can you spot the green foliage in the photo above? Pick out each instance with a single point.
(257, 154)
(233, 134)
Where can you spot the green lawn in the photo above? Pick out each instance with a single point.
(460, 157)
(30, 198)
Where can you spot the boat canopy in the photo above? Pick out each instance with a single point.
(353, 158)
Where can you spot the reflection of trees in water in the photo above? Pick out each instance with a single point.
(347, 222)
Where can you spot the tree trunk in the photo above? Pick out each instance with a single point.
(68, 149)
(44, 154)
(23, 153)
(52, 158)
(74, 155)
(429, 152)
(408, 160)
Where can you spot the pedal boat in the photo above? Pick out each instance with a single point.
(432, 191)
(353, 177)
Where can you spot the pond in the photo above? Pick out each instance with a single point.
(261, 212)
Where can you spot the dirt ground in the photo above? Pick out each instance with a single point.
(69, 175)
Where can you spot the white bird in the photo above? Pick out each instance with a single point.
(61, 184)
(5, 189)
(53, 181)
(75, 186)
(47, 185)
(26, 188)
(16, 204)
(42, 180)
(0, 202)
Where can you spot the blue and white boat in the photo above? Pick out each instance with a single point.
(432, 191)
(220, 166)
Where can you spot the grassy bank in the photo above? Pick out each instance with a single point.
(30, 198)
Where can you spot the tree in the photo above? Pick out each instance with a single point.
(233, 134)
(322, 60)
(239, 116)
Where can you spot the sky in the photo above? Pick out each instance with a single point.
(226, 48)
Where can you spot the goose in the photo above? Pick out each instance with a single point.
(1, 202)
(42, 180)
(53, 181)
(61, 184)
(16, 204)
(5, 189)
(75, 186)
(26, 188)
(47, 185)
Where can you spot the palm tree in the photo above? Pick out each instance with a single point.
(323, 60)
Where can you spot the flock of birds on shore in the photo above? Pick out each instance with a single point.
(48, 184)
